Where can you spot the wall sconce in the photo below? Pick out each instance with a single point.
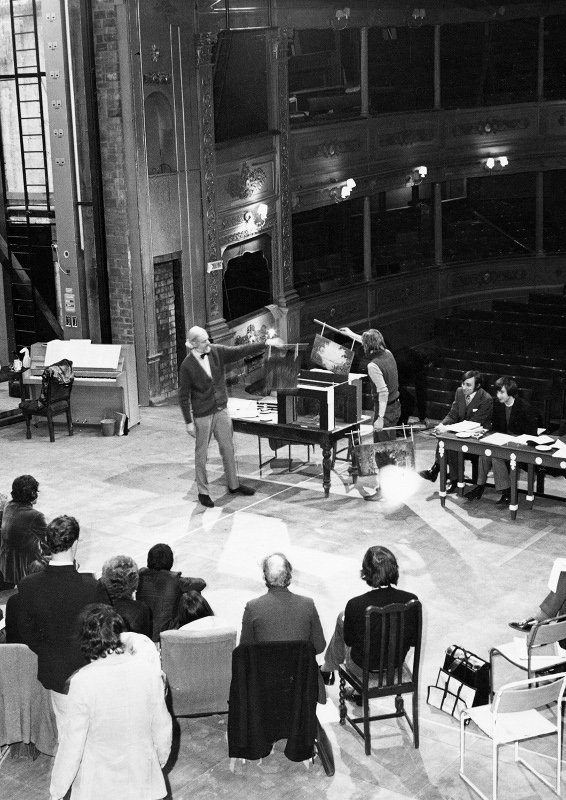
(417, 18)
(340, 19)
(491, 163)
(417, 176)
(256, 220)
(262, 211)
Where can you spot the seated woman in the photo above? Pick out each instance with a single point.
(120, 580)
(22, 531)
(380, 571)
(118, 732)
(160, 588)
(195, 613)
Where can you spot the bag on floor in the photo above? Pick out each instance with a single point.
(462, 682)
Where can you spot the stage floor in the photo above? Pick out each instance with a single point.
(472, 567)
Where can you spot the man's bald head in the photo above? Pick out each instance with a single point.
(277, 571)
(197, 339)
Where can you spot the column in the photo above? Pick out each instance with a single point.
(540, 70)
(364, 86)
(437, 189)
(539, 215)
(216, 324)
(367, 238)
(437, 97)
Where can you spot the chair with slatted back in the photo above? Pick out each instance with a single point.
(385, 672)
(54, 399)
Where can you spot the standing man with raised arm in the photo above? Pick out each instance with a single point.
(203, 397)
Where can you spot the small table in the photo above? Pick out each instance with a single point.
(513, 453)
(302, 434)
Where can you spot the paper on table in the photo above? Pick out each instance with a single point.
(526, 439)
(245, 409)
(465, 425)
(560, 453)
(496, 438)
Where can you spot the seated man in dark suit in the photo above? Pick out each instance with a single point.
(472, 403)
(553, 605)
(512, 415)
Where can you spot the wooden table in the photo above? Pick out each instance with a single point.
(513, 453)
(302, 434)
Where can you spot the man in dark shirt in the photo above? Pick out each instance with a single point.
(50, 603)
(512, 415)
(380, 571)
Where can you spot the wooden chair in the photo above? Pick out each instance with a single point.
(54, 399)
(513, 717)
(389, 675)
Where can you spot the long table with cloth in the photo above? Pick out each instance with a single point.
(514, 453)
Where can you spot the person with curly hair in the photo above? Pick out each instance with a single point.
(118, 732)
(120, 579)
(381, 572)
(50, 603)
(22, 531)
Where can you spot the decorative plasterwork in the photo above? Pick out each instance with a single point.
(405, 138)
(280, 52)
(248, 182)
(204, 45)
(490, 127)
(329, 149)
(497, 276)
(157, 77)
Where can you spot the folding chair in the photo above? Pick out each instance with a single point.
(513, 717)
(543, 652)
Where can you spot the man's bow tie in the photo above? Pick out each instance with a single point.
(204, 355)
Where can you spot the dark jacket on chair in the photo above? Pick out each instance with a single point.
(273, 696)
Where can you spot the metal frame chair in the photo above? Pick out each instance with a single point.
(547, 632)
(392, 677)
(513, 717)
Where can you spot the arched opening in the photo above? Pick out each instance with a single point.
(246, 284)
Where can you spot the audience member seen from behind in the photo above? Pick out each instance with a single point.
(195, 613)
(471, 403)
(22, 531)
(160, 588)
(12, 631)
(117, 733)
(120, 581)
(381, 572)
(512, 415)
(50, 603)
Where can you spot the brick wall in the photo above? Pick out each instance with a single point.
(166, 328)
(113, 169)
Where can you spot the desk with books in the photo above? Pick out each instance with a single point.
(514, 453)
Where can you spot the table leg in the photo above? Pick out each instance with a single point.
(514, 504)
(530, 486)
(326, 467)
(442, 474)
(460, 473)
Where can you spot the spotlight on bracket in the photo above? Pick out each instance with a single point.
(417, 176)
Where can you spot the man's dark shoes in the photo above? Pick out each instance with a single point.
(328, 677)
(505, 498)
(242, 489)
(451, 487)
(430, 474)
(523, 626)
(475, 494)
(205, 500)
(350, 694)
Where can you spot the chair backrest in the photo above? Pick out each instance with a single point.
(548, 631)
(26, 713)
(529, 694)
(273, 696)
(198, 666)
(389, 633)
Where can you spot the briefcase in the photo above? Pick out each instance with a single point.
(463, 681)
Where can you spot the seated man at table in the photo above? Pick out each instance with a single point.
(512, 415)
(553, 605)
(472, 403)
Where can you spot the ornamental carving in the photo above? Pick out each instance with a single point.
(329, 149)
(490, 127)
(405, 138)
(247, 183)
(204, 50)
(481, 279)
(395, 297)
(279, 41)
(157, 77)
(284, 159)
